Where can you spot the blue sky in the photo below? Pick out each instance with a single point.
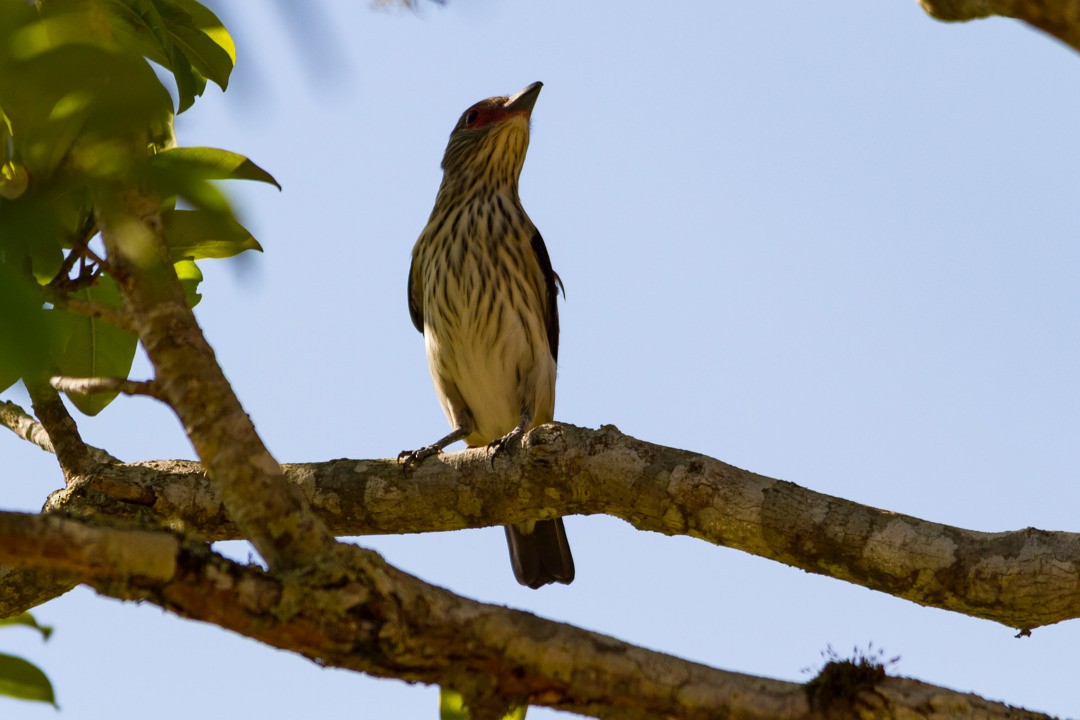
(834, 243)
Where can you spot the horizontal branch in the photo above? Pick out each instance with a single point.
(381, 621)
(1023, 579)
(65, 545)
(1060, 18)
(92, 385)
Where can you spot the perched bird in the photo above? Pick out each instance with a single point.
(482, 291)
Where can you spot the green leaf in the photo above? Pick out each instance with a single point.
(28, 620)
(8, 376)
(210, 24)
(32, 230)
(188, 172)
(96, 348)
(141, 25)
(172, 37)
(23, 680)
(198, 234)
(13, 180)
(212, 164)
(201, 37)
(452, 707)
(27, 338)
(190, 276)
(55, 87)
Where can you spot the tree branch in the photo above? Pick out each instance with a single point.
(23, 588)
(272, 514)
(375, 619)
(91, 385)
(25, 426)
(1060, 18)
(18, 421)
(71, 452)
(1023, 579)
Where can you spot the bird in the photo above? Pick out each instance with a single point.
(483, 292)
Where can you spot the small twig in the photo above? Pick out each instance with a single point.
(62, 282)
(63, 275)
(18, 421)
(91, 385)
(86, 252)
(24, 425)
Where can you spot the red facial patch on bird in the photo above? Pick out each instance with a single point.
(481, 115)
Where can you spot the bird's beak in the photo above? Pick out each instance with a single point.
(524, 99)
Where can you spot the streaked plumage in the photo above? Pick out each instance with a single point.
(483, 293)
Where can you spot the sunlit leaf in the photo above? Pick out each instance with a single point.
(197, 234)
(201, 36)
(172, 180)
(140, 24)
(212, 164)
(96, 348)
(152, 28)
(27, 620)
(188, 172)
(452, 707)
(13, 180)
(210, 24)
(60, 94)
(190, 276)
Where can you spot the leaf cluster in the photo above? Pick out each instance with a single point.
(84, 115)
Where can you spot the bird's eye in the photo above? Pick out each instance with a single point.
(470, 117)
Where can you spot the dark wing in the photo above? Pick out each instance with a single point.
(552, 283)
(416, 302)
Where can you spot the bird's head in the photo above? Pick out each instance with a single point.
(490, 139)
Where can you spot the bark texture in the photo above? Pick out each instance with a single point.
(188, 378)
(1023, 579)
(1060, 18)
(379, 620)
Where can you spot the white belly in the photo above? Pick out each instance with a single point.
(494, 372)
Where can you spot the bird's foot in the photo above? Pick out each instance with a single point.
(409, 459)
(507, 443)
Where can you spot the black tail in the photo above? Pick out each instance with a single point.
(540, 554)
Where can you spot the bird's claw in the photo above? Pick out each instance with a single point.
(506, 443)
(411, 458)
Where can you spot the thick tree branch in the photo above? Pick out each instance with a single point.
(1060, 18)
(272, 514)
(378, 620)
(22, 588)
(72, 453)
(1023, 579)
